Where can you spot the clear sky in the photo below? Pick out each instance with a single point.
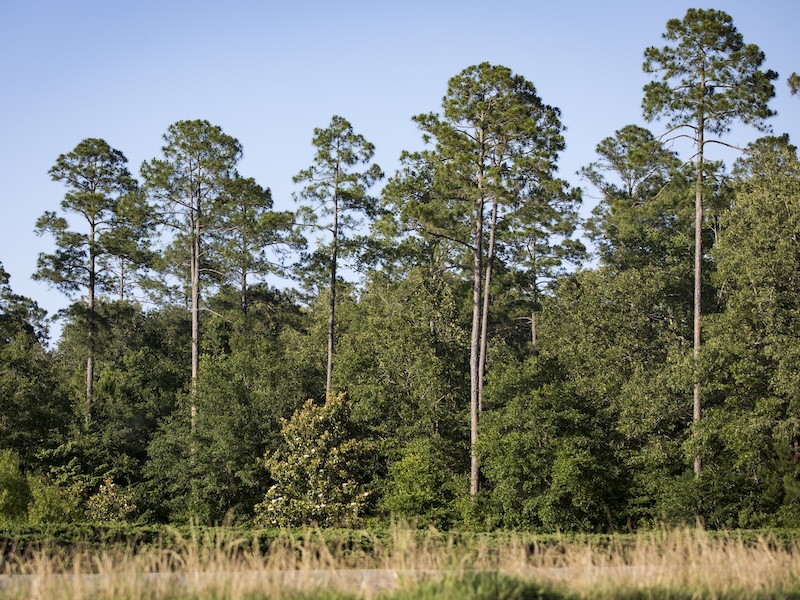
(269, 72)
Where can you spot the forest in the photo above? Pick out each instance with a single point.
(455, 346)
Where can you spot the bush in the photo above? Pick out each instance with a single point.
(15, 495)
(320, 476)
(52, 504)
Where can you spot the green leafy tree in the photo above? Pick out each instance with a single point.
(250, 378)
(752, 427)
(336, 188)
(708, 79)
(322, 473)
(15, 494)
(99, 186)
(34, 405)
(618, 342)
(140, 374)
(496, 144)
(548, 452)
(188, 185)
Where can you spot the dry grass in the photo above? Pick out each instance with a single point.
(681, 563)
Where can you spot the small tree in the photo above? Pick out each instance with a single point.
(321, 473)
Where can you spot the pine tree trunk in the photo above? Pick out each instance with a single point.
(485, 314)
(195, 302)
(90, 332)
(332, 306)
(477, 268)
(698, 280)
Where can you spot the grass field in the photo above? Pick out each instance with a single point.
(683, 563)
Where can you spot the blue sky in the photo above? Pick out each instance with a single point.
(269, 72)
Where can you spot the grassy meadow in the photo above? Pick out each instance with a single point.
(408, 564)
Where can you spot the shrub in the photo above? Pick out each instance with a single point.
(15, 495)
(320, 475)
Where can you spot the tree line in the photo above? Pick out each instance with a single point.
(484, 368)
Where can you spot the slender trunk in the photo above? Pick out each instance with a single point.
(532, 254)
(90, 330)
(698, 279)
(477, 269)
(244, 292)
(485, 314)
(195, 262)
(121, 279)
(332, 307)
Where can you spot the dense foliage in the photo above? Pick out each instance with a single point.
(489, 371)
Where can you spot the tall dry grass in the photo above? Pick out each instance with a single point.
(676, 563)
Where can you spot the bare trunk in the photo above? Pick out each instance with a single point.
(332, 306)
(532, 254)
(698, 280)
(477, 265)
(195, 262)
(244, 292)
(485, 314)
(90, 332)
(121, 279)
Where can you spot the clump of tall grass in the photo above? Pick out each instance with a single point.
(683, 563)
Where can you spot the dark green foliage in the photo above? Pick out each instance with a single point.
(752, 360)
(547, 453)
(707, 71)
(34, 405)
(15, 494)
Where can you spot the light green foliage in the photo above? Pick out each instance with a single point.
(321, 473)
(110, 503)
(51, 503)
(420, 486)
(15, 495)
